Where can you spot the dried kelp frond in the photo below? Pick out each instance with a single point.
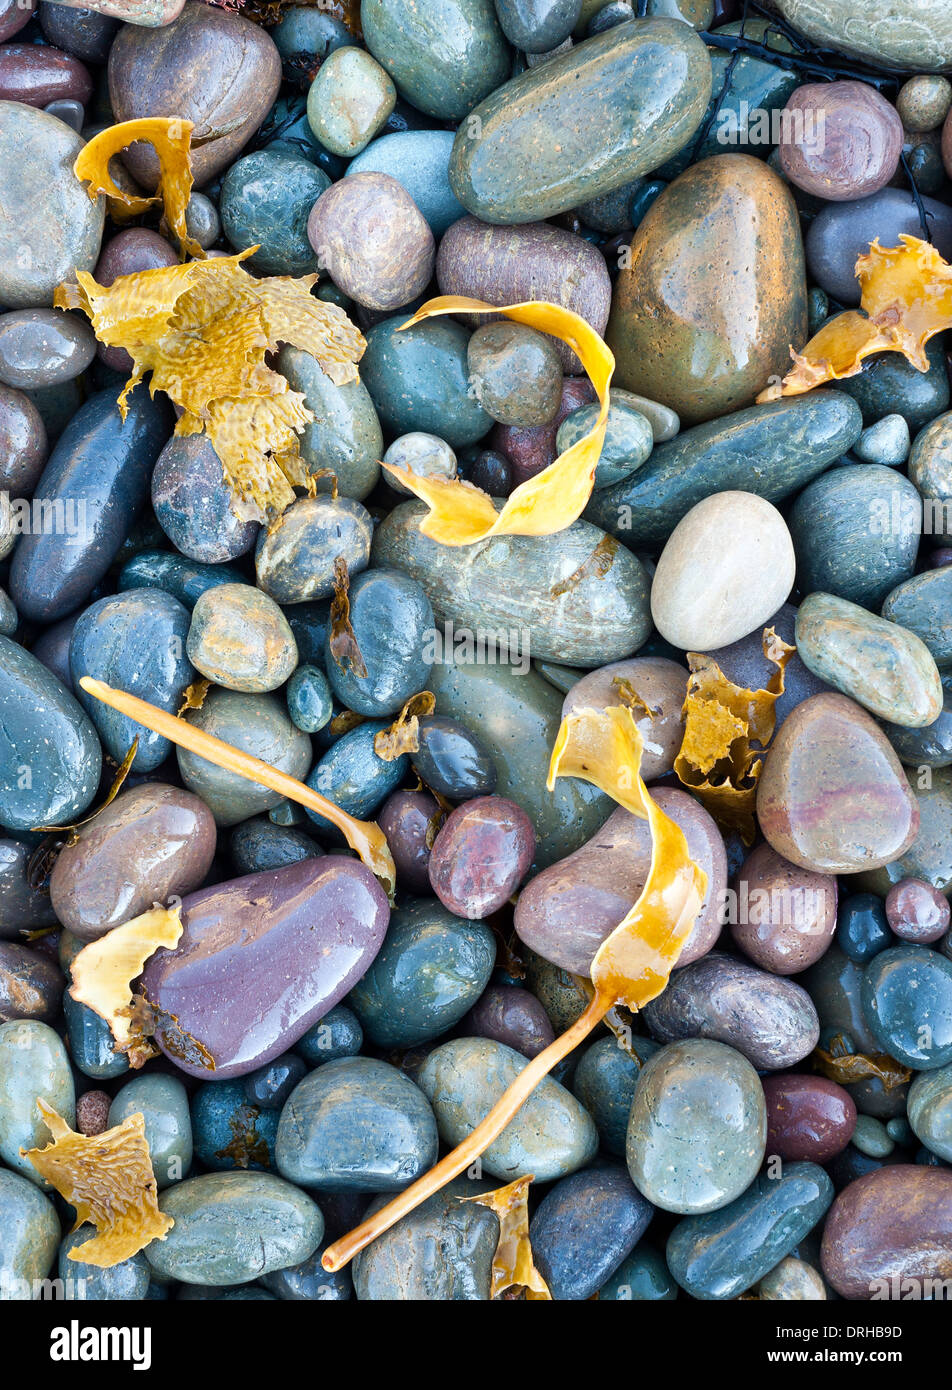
(460, 513)
(628, 695)
(194, 696)
(906, 299)
(403, 734)
(171, 140)
(845, 1067)
(513, 1265)
(598, 563)
(343, 643)
(726, 732)
(203, 330)
(108, 1178)
(70, 831)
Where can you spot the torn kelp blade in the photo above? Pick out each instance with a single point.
(365, 837)
(631, 967)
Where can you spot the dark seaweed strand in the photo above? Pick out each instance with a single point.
(725, 87)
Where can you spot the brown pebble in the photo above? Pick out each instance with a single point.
(782, 917)
(840, 140)
(92, 1112)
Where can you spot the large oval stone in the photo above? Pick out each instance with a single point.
(715, 292)
(622, 103)
(33, 1063)
(832, 795)
(915, 35)
(31, 1234)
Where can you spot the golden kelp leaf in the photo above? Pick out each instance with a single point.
(633, 964)
(845, 1067)
(203, 330)
(721, 722)
(194, 696)
(461, 514)
(122, 772)
(104, 970)
(108, 1178)
(513, 1265)
(403, 734)
(171, 140)
(906, 299)
(342, 643)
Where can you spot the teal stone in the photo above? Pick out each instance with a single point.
(310, 701)
(430, 970)
(889, 385)
(56, 404)
(772, 450)
(443, 1251)
(584, 1227)
(286, 131)
(856, 533)
(629, 437)
(50, 757)
(352, 775)
(907, 1002)
(185, 580)
(228, 1132)
(881, 665)
(391, 616)
(310, 1281)
(537, 26)
(33, 1064)
(29, 1235)
(931, 746)
(605, 1080)
(265, 200)
(621, 103)
(309, 623)
(929, 1108)
(923, 604)
(930, 855)
(260, 843)
(419, 380)
(930, 468)
(345, 435)
(444, 58)
(231, 1228)
(643, 1277)
(420, 161)
(609, 212)
(124, 1282)
(295, 558)
(356, 1125)
(91, 1044)
(561, 677)
(162, 1101)
(886, 442)
(719, 1255)
(349, 101)
(338, 1034)
(818, 311)
(551, 1136)
(835, 985)
(871, 1137)
(304, 37)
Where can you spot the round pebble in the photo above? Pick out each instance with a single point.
(369, 234)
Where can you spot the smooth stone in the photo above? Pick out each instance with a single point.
(583, 1229)
(808, 1117)
(929, 1107)
(872, 1138)
(152, 843)
(912, 34)
(718, 1255)
(605, 1080)
(184, 579)
(97, 477)
(887, 442)
(233, 1227)
(202, 220)
(700, 341)
(265, 201)
(370, 236)
(304, 37)
(405, 819)
(240, 639)
(358, 1125)
(442, 61)
(123, 1282)
(14, 16)
(390, 615)
(338, 1034)
(727, 565)
(162, 1101)
(907, 1001)
(660, 683)
(832, 796)
(23, 449)
(31, 985)
(550, 1137)
(134, 641)
(152, 73)
(431, 968)
(52, 649)
(842, 232)
(91, 1044)
(629, 437)
(352, 775)
(923, 102)
(269, 1087)
(514, 374)
(324, 919)
(127, 252)
(510, 265)
(835, 985)
(419, 380)
(621, 102)
(43, 347)
(230, 1132)
(481, 855)
(309, 1281)
(400, 1265)
(536, 26)
(894, 1223)
(452, 761)
(771, 450)
(857, 152)
(310, 702)
(862, 930)
(49, 751)
(561, 994)
(31, 1234)
(856, 533)
(785, 916)
(922, 605)
(349, 101)
(56, 405)
(928, 857)
(883, 666)
(22, 907)
(890, 384)
(769, 1020)
(420, 161)
(194, 504)
(930, 471)
(917, 912)
(512, 1015)
(697, 1128)
(643, 1277)
(49, 228)
(33, 1064)
(501, 590)
(257, 724)
(294, 558)
(345, 435)
(792, 1280)
(258, 844)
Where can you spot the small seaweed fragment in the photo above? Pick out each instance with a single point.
(628, 695)
(403, 736)
(845, 1067)
(246, 1145)
(194, 696)
(343, 643)
(108, 1178)
(598, 563)
(122, 772)
(513, 1265)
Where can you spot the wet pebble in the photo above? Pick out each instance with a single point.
(352, 775)
(266, 198)
(605, 1080)
(917, 912)
(929, 1107)
(481, 855)
(30, 985)
(858, 151)
(162, 1101)
(907, 1002)
(405, 818)
(369, 234)
(231, 1132)
(452, 761)
(240, 639)
(194, 504)
(294, 558)
(310, 702)
(31, 1234)
(511, 1015)
(808, 1117)
(584, 1228)
(33, 1063)
(390, 616)
(43, 347)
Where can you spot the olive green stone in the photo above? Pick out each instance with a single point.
(583, 123)
(349, 101)
(910, 34)
(345, 434)
(929, 1108)
(29, 1236)
(33, 1065)
(930, 854)
(629, 435)
(240, 639)
(871, 1137)
(923, 604)
(515, 374)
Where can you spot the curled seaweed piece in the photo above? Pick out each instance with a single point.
(845, 1067)
(513, 1265)
(403, 736)
(343, 644)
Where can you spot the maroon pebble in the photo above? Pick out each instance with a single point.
(92, 1112)
(36, 74)
(839, 140)
(127, 253)
(405, 820)
(916, 911)
(529, 449)
(14, 15)
(510, 1015)
(807, 1117)
(481, 856)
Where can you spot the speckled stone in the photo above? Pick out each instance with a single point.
(481, 855)
(294, 558)
(884, 667)
(698, 1126)
(183, 579)
(345, 434)
(930, 1111)
(31, 1234)
(240, 639)
(783, 916)
(832, 796)
(43, 347)
(265, 201)
(352, 775)
(33, 1062)
(643, 1277)
(909, 34)
(338, 1034)
(629, 437)
(886, 442)
(605, 1080)
(514, 374)
(512, 1015)
(349, 101)
(916, 911)
(907, 1002)
(923, 102)
(923, 605)
(194, 505)
(390, 615)
(419, 380)
(368, 233)
(660, 683)
(855, 151)
(792, 1280)
(162, 1101)
(310, 703)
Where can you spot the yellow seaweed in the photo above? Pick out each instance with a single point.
(513, 1265)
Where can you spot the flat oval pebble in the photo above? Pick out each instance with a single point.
(584, 1227)
(266, 198)
(481, 855)
(512, 1015)
(922, 605)
(419, 380)
(370, 235)
(352, 775)
(194, 505)
(240, 639)
(345, 435)
(783, 916)
(808, 1117)
(452, 761)
(43, 347)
